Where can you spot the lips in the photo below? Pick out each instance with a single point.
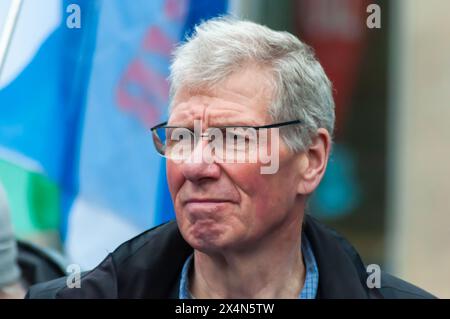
(206, 200)
(205, 204)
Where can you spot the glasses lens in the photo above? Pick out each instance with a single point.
(159, 139)
(174, 143)
(178, 143)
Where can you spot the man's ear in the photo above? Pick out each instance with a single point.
(313, 162)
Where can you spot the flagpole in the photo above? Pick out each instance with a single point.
(8, 31)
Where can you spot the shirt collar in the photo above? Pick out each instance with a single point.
(310, 287)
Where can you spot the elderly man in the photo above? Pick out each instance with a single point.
(247, 141)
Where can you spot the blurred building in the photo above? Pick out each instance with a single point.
(418, 211)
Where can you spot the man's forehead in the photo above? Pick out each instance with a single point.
(216, 112)
(221, 93)
(243, 96)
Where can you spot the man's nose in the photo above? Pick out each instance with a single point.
(200, 165)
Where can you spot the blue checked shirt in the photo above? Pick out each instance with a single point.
(310, 287)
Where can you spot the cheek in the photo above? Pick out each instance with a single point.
(254, 188)
(262, 195)
(175, 178)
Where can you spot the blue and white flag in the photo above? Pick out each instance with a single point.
(82, 106)
(122, 185)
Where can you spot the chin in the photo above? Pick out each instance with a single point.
(206, 236)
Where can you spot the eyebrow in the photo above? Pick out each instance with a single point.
(218, 125)
(273, 125)
(226, 122)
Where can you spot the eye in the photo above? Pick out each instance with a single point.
(245, 135)
(178, 135)
(232, 136)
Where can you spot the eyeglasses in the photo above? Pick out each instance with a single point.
(178, 143)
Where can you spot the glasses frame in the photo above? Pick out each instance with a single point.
(268, 126)
(163, 125)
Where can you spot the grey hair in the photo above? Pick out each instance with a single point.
(221, 46)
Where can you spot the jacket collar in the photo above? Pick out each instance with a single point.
(342, 274)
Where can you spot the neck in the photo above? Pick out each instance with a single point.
(272, 268)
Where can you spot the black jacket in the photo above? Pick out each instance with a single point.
(149, 266)
(38, 264)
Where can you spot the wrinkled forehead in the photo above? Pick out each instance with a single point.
(242, 98)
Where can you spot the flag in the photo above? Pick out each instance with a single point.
(41, 101)
(85, 131)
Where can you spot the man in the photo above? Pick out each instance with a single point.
(23, 264)
(247, 142)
